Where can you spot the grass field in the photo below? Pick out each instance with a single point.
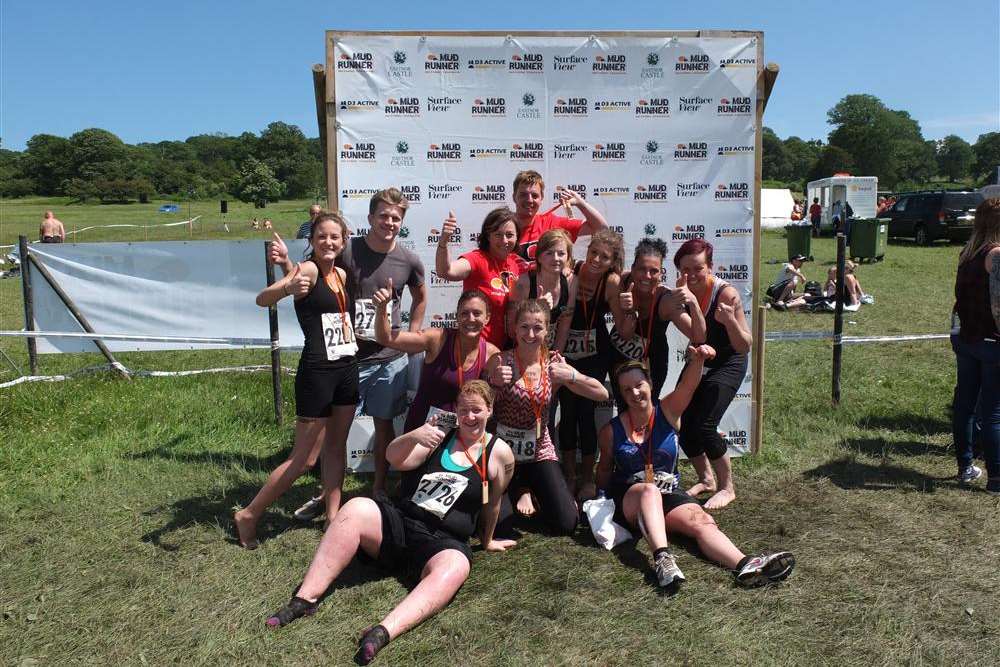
(115, 501)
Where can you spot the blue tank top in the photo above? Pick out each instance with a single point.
(630, 458)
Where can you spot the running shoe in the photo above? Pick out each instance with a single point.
(754, 571)
(970, 474)
(311, 510)
(668, 575)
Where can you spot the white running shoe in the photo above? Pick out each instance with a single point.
(765, 569)
(668, 575)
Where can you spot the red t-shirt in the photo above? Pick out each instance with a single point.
(495, 279)
(815, 211)
(541, 224)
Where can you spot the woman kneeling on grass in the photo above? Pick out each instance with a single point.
(444, 492)
(326, 382)
(638, 469)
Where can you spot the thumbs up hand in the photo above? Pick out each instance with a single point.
(724, 313)
(384, 296)
(681, 297)
(450, 225)
(299, 284)
(279, 251)
(502, 376)
(626, 300)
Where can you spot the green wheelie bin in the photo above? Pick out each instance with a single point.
(799, 240)
(868, 239)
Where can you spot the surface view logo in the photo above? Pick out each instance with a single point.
(442, 104)
(690, 189)
(567, 63)
(567, 151)
(692, 104)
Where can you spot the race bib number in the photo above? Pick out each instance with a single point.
(521, 440)
(633, 348)
(446, 420)
(666, 482)
(438, 491)
(364, 319)
(581, 343)
(338, 336)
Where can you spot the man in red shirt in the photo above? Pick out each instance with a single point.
(815, 215)
(529, 191)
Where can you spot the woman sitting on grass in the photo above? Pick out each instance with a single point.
(638, 470)
(445, 492)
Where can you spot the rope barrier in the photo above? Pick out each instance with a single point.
(106, 367)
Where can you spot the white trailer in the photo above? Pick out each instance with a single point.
(861, 192)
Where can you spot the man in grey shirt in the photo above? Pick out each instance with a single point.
(305, 229)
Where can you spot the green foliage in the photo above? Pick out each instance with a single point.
(954, 157)
(831, 160)
(774, 158)
(987, 152)
(257, 183)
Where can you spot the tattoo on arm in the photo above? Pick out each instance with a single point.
(509, 469)
(995, 288)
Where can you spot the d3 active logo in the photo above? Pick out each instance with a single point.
(528, 150)
(444, 152)
(612, 105)
(442, 104)
(357, 193)
(650, 193)
(653, 69)
(441, 63)
(739, 191)
(402, 157)
(411, 192)
(734, 106)
(489, 107)
(729, 151)
(692, 104)
(487, 63)
(613, 63)
(362, 61)
(579, 189)
(612, 191)
(402, 106)
(567, 151)
(398, 69)
(652, 107)
(652, 156)
(695, 63)
(731, 63)
(358, 105)
(609, 152)
(526, 63)
(567, 63)
(358, 152)
(733, 232)
(691, 189)
(692, 150)
(687, 232)
(489, 194)
(569, 107)
(486, 152)
(443, 191)
(528, 110)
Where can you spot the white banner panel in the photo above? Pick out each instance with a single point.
(657, 132)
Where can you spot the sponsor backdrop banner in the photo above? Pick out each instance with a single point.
(657, 132)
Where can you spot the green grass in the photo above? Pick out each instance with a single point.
(115, 500)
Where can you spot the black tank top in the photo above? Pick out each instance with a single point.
(559, 308)
(588, 315)
(626, 350)
(309, 310)
(972, 299)
(729, 366)
(430, 491)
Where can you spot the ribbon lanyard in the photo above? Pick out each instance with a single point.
(647, 444)
(707, 301)
(339, 293)
(460, 362)
(481, 469)
(649, 327)
(590, 320)
(537, 398)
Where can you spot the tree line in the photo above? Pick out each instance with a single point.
(867, 139)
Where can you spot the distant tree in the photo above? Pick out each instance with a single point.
(832, 159)
(286, 151)
(802, 155)
(915, 161)
(81, 190)
(256, 183)
(954, 157)
(987, 152)
(98, 154)
(774, 158)
(46, 161)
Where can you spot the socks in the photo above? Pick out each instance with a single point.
(373, 641)
(661, 550)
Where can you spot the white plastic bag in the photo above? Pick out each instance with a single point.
(599, 513)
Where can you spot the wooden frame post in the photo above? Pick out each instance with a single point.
(29, 303)
(319, 88)
(757, 403)
(272, 319)
(838, 317)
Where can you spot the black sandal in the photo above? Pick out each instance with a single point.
(296, 608)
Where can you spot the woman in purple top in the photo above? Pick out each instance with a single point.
(444, 350)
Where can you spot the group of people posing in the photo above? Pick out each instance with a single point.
(482, 450)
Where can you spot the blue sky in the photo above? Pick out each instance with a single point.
(153, 71)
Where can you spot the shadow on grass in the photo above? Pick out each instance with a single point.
(167, 452)
(909, 423)
(886, 449)
(848, 473)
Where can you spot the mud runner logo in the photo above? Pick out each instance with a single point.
(612, 105)
(738, 439)
(358, 105)
(734, 106)
(443, 321)
(611, 191)
(487, 63)
(731, 63)
(402, 106)
(567, 151)
(690, 190)
(578, 188)
(739, 191)
(687, 232)
(444, 152)
(486, 152)
(441, 63)
(570, 107)
(529, 150)
(733, 232)
(652, 107)
(412, 193)
(692, 104)
(361, 231)
(489, 194)
(650, 193)
(694, 63)
(567, 63)
(653, 69)
(526, 63)
(489, 107)
(740, 272)
(442, 104)
(362, 61)
(402, 158)
(528, 110)
(609, 152)
(358, 152)
(398, 69)
(692, 150)
(652, 156)
(444, 191)
(357, 193)
(613, 63)
(729, 151)
(434, 236)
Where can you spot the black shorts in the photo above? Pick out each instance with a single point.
(671, 501)
(52, 239)
(407, 543)
(317, 390)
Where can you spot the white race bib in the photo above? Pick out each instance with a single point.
(364, 319)
(338, 337)
(581, 343)
(666, 482)
(446, 420)
(521, 440)
(438, 491)
(633, 348)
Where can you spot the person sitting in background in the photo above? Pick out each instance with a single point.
(854, 296)
(782, 290)
(51, 230)
(797, 210)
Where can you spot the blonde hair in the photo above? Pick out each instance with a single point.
(552, 238)
(477, 388)
(985, 230)
(614, 241)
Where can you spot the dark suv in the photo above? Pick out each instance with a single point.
(928, 216)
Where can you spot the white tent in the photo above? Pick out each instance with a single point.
(775, 207)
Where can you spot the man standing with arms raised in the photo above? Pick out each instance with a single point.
(529, 195)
